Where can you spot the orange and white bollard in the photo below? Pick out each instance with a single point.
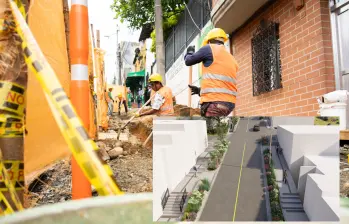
(79, 86)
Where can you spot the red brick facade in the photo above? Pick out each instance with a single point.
(306, 59)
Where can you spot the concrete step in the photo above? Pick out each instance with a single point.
(295, 210)
(164, 219)
(292, 206)
(290, 194)
(291, 202)
(289, 197)
(168, 214)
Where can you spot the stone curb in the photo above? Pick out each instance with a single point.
(266, 192)
(236, 126)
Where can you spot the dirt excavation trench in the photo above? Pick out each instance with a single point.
(130, 161)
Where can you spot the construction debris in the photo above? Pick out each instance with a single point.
(131, 163)
(344, 171)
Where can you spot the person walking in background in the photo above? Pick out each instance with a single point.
(109, 98)
(129, 99)
(284, 176)
(139, 99)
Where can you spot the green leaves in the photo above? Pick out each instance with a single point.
(140, 12)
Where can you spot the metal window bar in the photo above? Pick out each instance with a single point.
(266, 64)
(185, 31)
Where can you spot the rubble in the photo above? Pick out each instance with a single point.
(132, 165)
(344, 171)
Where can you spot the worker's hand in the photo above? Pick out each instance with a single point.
(191, 50)
(194, 90)
(137, 115)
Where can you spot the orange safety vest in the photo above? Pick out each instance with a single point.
(167, 107)
(219, 79)
(121, 99)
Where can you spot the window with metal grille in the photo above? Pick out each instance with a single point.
(266, 63)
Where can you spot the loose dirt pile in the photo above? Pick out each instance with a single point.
(131, 163)
(344, 169)
(185, 111)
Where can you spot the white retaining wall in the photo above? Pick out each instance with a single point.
(176, 146)
(276, 121)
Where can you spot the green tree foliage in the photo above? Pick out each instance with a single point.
(140, 12)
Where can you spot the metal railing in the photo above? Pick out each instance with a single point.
(185, 31)
(184, 198)
(165, 198)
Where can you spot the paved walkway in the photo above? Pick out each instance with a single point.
(234, 196)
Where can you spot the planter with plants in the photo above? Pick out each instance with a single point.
(195, 201)
(273, 188)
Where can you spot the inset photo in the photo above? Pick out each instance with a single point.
(246, 169)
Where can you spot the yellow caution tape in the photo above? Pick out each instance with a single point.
(14, 98)
(11, 126)
(15, 172)
(5, 206)
(83, 149)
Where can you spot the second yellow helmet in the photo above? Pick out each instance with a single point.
(155, 78)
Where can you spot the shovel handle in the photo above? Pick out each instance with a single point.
(138, 112)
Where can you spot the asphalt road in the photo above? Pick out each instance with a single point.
(236, 197)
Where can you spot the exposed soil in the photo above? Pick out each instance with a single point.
(185, 111)
(133, 169)
(344, 175)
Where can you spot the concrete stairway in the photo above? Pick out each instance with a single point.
(172, 210)
(293, 207)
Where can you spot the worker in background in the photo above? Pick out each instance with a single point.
(218, 86)
(122, 100)
(129, 99)
(162, 102)
(110, 101)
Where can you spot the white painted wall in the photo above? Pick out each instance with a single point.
(317, 207)
(276, 121)
(303, 175)
(177, 143)
(300, 140)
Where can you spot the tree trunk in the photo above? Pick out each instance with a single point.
(66, 23)
(13, 70)
(160, 48)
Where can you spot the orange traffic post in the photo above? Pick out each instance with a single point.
(79, 88)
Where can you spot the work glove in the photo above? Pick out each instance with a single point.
(137, 115)
(191, 50)
(194, 90)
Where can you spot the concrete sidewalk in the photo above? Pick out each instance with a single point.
(231, 193)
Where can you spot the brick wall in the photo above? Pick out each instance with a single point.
(306, 58)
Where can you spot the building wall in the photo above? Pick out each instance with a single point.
(315, 205)
(173, 156)
(306, 58)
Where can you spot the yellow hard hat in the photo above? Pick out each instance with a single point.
(205, 41)
(119, 94)
(155, 78)
(214, 34)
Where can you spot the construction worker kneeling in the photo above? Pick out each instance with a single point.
(162, 102)
(218, 86)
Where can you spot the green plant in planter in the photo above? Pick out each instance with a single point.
(214, 154)
(264, 140)
(212, 164)
(205, 185)
(266, 151)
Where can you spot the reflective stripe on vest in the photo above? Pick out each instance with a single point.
(219, 77)
(218, 90)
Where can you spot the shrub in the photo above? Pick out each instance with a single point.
(194, 202)
(264, 140)
(205, 185)
(212, 164)
(214, 154)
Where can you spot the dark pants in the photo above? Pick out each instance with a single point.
(139, 104)
(216, 109)
(124, 103)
